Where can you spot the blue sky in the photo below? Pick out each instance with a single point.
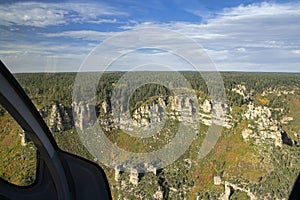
(236, 35)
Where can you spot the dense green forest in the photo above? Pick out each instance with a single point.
(46, 88)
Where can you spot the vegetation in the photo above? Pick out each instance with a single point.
(17, 162)
(267, 171)
(45, 88)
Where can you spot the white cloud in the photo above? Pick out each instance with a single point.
(297, 52)
(100, 21)
(257, 37)
(144, 46)
(32, 14)
(44, 56)
(261, 35)
(46, 14)
(34, 62)
(241, 50)
(83, 34)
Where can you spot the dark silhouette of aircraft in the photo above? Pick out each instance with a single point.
(60, 175)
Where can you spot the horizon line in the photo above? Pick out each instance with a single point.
(124, 71)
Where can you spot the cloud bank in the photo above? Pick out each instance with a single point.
(256, 37)
(50, 14)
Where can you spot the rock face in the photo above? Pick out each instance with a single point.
(181, 108)
(24, 139)
(118, 171)
(260, 129)
(217, 180)
(227, 191)
(184, 109)
(264, 127)
(84, 114)
(217, 114)
(206, 106)
(59, 119)
(150, 113)
(230, 188)
(134, 177)
(158, 194)
(277, 92)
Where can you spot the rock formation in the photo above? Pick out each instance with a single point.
(24, 139)
(84, 114)
(134, 177)
(264, 126)
(158, 194)
(59, 119)
(156, 110)
(230, 188)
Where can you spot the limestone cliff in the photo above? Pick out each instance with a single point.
(59, 118)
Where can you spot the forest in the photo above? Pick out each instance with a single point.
(46, 88)
(264, 169)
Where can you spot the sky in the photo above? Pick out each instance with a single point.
(55, 36)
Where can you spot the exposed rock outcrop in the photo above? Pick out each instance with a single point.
(24, 139)
(84, 114)
(230, 188)
(217, 180)
(158, 194)
(59, 119)
(264, 127)
(277, 91)
(134, 177)
(206, 106)
(156, 110)
(185, 109)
